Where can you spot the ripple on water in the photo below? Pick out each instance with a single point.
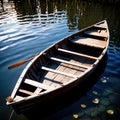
(113, 61)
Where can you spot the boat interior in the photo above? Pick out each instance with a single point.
(64, 61)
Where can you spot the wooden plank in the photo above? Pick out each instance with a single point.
(91, 42)
(69, 69)
(58, 72)
(34, 75)
(77, 54)
(101, 25)
(62, 78)
(38, 90)
(51, 77)
(70, 63)
(17, 98)
(26, 91)
(99, 33)
(37, 84)
(59, 77)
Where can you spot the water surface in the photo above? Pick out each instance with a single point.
(28, 27)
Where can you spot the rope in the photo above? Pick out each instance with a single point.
(10, 118)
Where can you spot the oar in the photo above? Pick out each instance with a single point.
(20, 63)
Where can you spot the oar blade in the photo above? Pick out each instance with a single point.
(16, 65)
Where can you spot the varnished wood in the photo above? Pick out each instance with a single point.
(37, 91)
(37, 84)
(26, 91)
(77, 54)
(99, 33)
(91, 42)
(58, 72)
(64, 61)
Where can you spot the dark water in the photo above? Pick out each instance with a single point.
(29, 26)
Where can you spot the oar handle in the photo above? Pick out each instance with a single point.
(20, 63)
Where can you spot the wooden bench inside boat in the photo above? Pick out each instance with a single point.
(69, 63)
(97, 33)
(58, 72)
(90, 42)
(37, 84)
(39, 87)
(25, 91)
(76, 53)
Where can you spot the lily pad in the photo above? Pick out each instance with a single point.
(104, 81)
(95, 92)
(83, 106)
(110, 112)
(75, 116)
(96, 101)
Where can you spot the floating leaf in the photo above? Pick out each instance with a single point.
(75, 116)
(83, 105)
(104, 81)
(111, 112)
(96, 101)
(95, 92)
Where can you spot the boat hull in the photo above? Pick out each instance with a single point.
(32, 105)
(60, 68)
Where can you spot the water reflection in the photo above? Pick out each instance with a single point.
(30, 11)
(33, 7)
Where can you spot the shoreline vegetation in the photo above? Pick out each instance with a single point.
(113, 2)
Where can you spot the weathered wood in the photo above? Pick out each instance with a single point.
(26, 91)
(37, 91)
(90, 42)
(99, 33)
(17, 98)
(37, 84)
(77, 54)
(59, 72)
(67, 62)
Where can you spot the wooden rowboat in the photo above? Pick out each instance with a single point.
(60, 67)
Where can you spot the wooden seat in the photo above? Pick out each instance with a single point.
(67, 62)
(97, 33)
(90, 42)
(77, 54)
(37, 84)
(58, 72)
(25, 92)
